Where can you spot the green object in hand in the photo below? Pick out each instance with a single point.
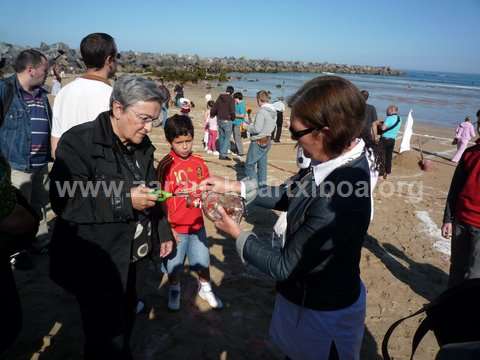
(162, 195)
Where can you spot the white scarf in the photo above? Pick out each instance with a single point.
(322, 170)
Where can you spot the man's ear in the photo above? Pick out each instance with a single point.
(109, 60)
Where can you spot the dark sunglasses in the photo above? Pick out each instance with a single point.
(296, 135)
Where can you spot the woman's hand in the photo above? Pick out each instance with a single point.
(166, 248)
(220, 185)
(447, 230)
(142, 198)
(226, 224)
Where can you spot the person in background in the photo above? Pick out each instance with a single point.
(260, 136)
(224, 110)
(25, 138)
(89, 95)
(181, 171)
(178, 90)
(461, 220)
(390, 128)
(165, 105)
(463, 134)
(212, 128)
(57, 81)
(186, 106)
(18, 226)
(280, 107)
(320, 304)
(478, 122)
(370, 131)
(102, 239)
(240, 114)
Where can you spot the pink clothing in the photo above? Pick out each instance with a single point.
(465, 131)
(212, 140)
(210, 123)
(463, 134)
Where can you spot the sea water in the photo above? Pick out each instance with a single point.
(438, 98)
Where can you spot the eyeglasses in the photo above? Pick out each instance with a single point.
(142, 118)
(296, 135)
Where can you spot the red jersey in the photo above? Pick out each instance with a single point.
(184, 174)
(468, 201)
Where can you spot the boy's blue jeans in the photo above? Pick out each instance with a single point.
(257, 158)
(195, 247)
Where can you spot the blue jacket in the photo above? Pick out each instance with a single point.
(16, 131)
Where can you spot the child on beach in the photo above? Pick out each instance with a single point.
(212, 127)
(181, 171)
(240, 114)
(185, 106)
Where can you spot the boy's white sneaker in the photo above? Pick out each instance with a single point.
(174, 297)
(216, 153)
(206, 293)
(209, 152)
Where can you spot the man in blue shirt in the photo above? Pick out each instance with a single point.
(25, 133)
(390, 128)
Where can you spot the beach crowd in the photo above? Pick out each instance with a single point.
(117, 208)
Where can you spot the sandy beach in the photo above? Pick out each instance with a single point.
(404, 265)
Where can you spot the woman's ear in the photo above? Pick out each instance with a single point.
(117, 109)
(325, 131)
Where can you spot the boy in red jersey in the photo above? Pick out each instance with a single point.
(180, 172)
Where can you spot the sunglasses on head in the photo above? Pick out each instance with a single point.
(296, 135)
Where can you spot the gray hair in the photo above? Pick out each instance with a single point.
(130, 89)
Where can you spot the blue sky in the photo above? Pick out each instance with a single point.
(437, 35)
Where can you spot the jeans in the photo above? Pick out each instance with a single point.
(465, 253)
(237, 136)
(257, 158)
(224, 133)
(388, 145)
(34, 186)
(195, 247)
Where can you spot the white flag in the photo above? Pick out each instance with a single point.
(407, 133)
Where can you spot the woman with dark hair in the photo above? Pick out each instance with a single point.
(320, 304)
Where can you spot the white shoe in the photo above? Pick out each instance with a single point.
(206, 149)
(206, 293)
(174, 297)
(216, 153)
(209, 152)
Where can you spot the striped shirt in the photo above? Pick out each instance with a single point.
(40, 127)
